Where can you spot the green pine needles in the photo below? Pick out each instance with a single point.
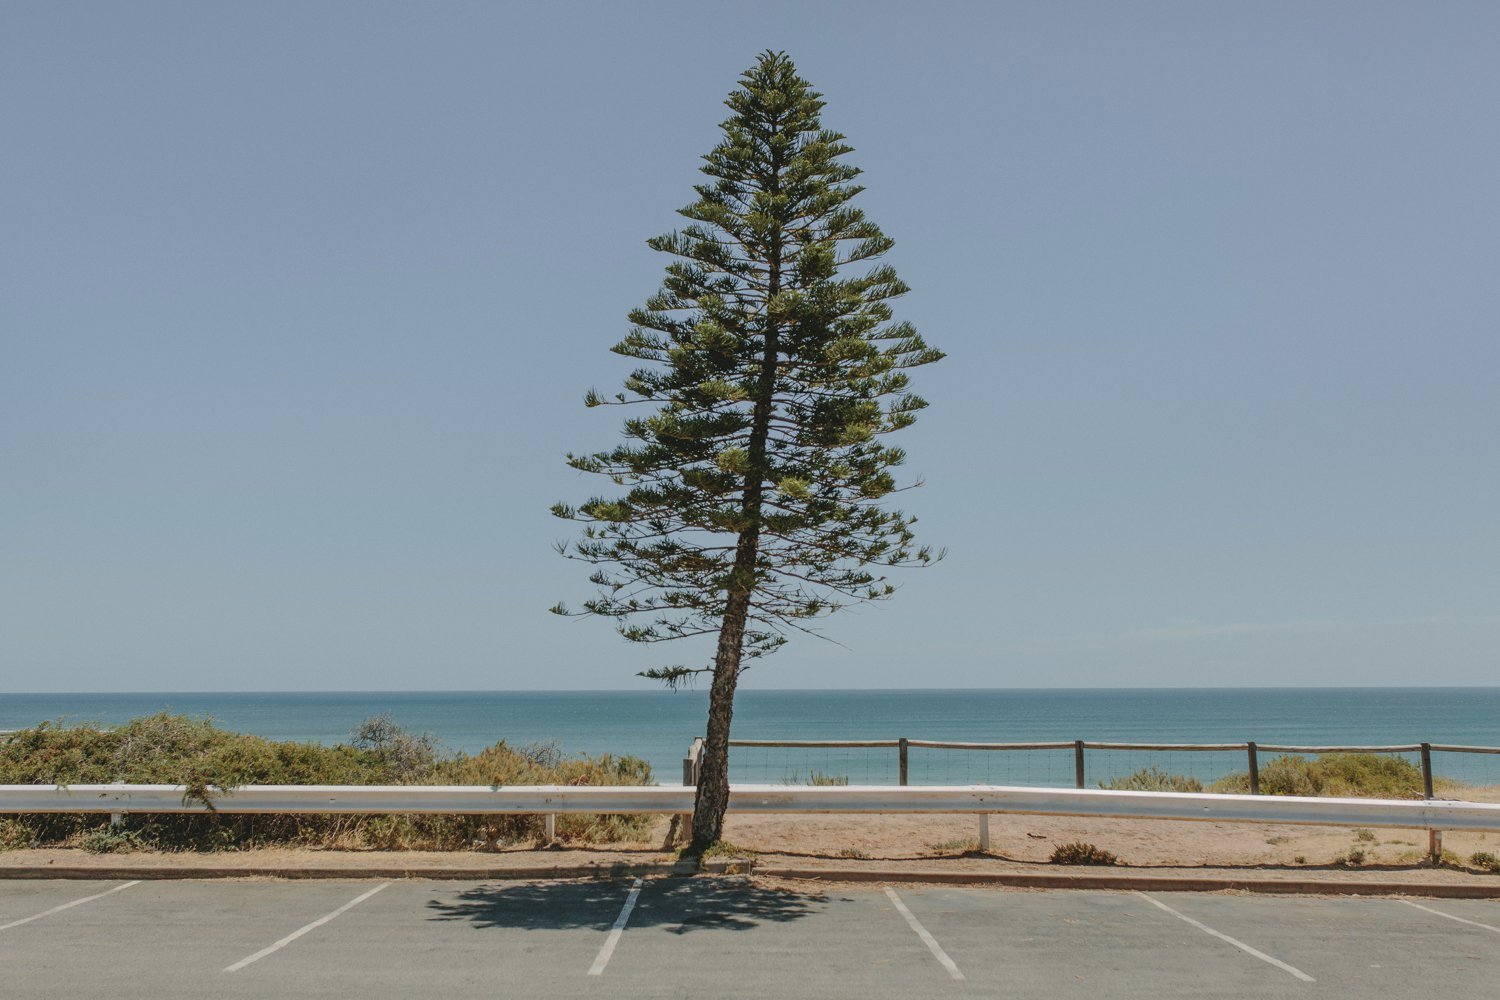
(753, 486)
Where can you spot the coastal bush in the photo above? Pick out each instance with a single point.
(14, 834)
(1154, 779)
(1079, 853)
(402, 753)
(211, 762)
(111, 840)
(1485, 860)
(1340, 775)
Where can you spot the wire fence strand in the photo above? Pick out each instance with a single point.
(1412, 770)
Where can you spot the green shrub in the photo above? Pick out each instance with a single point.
(168, 749)
(110, 840)
(14, 834)
(1338, 775)
(1154, 779)
(1079, 853)
(817, 778)
(1486, 860)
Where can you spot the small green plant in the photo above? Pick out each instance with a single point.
(1278, 839)
(1355, 856)
(963, 845)
(111, 840)
(817, 778)
(723, 850)
(1365, 836)
(1485, 860)
(1154, 779)
(1300, 859)
(1079, 853)
(853, 852)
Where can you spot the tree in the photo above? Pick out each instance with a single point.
(753, 486)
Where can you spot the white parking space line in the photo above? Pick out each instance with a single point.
(1242, 946)
(597, 969)
(927, 939)
(1426, 909)
(237, 966)
(67, 906)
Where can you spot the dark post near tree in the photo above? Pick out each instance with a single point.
(752, 484)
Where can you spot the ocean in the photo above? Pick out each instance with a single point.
(659, 725)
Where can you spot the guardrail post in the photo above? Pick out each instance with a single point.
(902, 749)
(549, 828)
(1254, 767)
(1434, 837)
(984, 832)
(1078, 762)
(681, 830)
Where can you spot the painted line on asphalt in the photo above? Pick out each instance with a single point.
(237, 966)
(597, 969)
(1427, 909)
(1242, 946)
(927, 939)
(67, 906)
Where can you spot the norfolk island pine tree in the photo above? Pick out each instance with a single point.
(753, 483)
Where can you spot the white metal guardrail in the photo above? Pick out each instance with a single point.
(1435, 814)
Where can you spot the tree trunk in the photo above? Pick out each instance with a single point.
(713, 778)
(713, 773)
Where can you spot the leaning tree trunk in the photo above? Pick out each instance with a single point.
(713, 777)
(713, 773)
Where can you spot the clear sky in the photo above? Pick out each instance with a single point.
(298, 302)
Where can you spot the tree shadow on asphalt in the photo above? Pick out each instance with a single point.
(678, 905)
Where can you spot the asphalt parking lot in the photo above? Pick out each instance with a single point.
(681, 937)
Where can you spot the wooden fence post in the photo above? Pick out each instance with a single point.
(1078, 762)
(903, 748)
(1254, 768)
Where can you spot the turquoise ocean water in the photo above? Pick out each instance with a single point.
(660, 725)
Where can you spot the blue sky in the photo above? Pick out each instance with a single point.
(298, 302)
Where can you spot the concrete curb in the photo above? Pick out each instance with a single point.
(528, 873)
(1480, 888)
(1489, 889)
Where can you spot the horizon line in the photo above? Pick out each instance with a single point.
(807, 690)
